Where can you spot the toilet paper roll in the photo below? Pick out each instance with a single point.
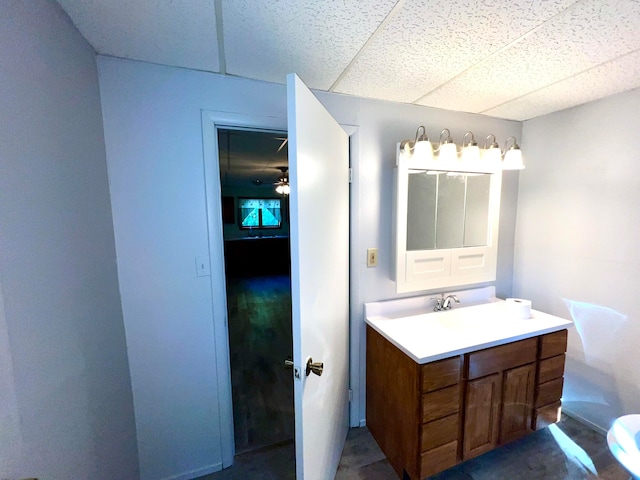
(519, 308)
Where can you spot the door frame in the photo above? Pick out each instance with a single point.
(211, 122)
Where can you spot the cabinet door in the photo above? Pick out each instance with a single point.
(518, 386)
(482, 409)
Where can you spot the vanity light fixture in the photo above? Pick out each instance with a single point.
(447, 150)
(469, 155)
(420, 148)
(508, 159)
(491, 153)
(471, 158)
(512, 158)
(470, 150)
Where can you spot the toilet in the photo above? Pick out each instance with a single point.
(623, 439)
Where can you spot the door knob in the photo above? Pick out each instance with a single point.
(288, 362)
(316, 367)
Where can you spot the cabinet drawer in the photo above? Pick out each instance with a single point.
(549, 392)
(551, 368)
(553, 344)
(503, 357)
(438, 459)
(440, 374)
(439, 432)
(440, 403)
(546, 415)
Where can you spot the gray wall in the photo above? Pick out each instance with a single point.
(153, 134)
(577, 254)
(65, 396)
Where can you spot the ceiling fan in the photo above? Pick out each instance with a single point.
(282, 185)
(284, 141)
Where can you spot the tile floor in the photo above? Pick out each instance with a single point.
(567, 451)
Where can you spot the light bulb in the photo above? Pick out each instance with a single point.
(492, 157)
(448, 152)
(513, 160)
(423, 151)
(471, 155)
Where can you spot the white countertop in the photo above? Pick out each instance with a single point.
(427, 337)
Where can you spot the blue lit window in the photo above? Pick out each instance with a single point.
(260, 213)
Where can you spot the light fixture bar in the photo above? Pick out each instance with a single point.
(470, 158)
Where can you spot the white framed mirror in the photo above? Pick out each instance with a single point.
(446, 227)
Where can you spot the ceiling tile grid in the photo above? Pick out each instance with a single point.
(590, 33)
(505, 58)
(430, 41)
(179, 33)
(266, 40)
(617, 76)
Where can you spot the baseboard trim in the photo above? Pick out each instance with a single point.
(200, 472)
(587, 423)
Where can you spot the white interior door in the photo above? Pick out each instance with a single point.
(319, 206)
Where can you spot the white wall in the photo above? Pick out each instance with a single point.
(382, 125)
(66, 407)
(577, 252)
(153, 134)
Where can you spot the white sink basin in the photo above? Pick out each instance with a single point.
(430, 336)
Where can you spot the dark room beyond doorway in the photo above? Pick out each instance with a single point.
(258, 281)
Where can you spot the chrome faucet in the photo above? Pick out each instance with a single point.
(444, 303)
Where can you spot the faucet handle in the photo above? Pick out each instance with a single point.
(439, 302)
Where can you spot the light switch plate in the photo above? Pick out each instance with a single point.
(372, 257)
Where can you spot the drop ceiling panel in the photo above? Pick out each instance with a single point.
(509, 59)
(316, 40)
(613, 77)
(427, 42)
(178, 33)
(574, 42)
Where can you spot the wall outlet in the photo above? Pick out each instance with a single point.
(372, 257)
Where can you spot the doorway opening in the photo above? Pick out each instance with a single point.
(255, 220)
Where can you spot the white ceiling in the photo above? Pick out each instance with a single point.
(514, 59)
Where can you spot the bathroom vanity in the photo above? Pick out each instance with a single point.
(444, 387)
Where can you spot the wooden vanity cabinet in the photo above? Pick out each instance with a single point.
(430, 417)
(499, 395)
(413, 410)
(549, 379)
(441, 394)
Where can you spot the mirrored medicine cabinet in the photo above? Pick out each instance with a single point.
(446, 227)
